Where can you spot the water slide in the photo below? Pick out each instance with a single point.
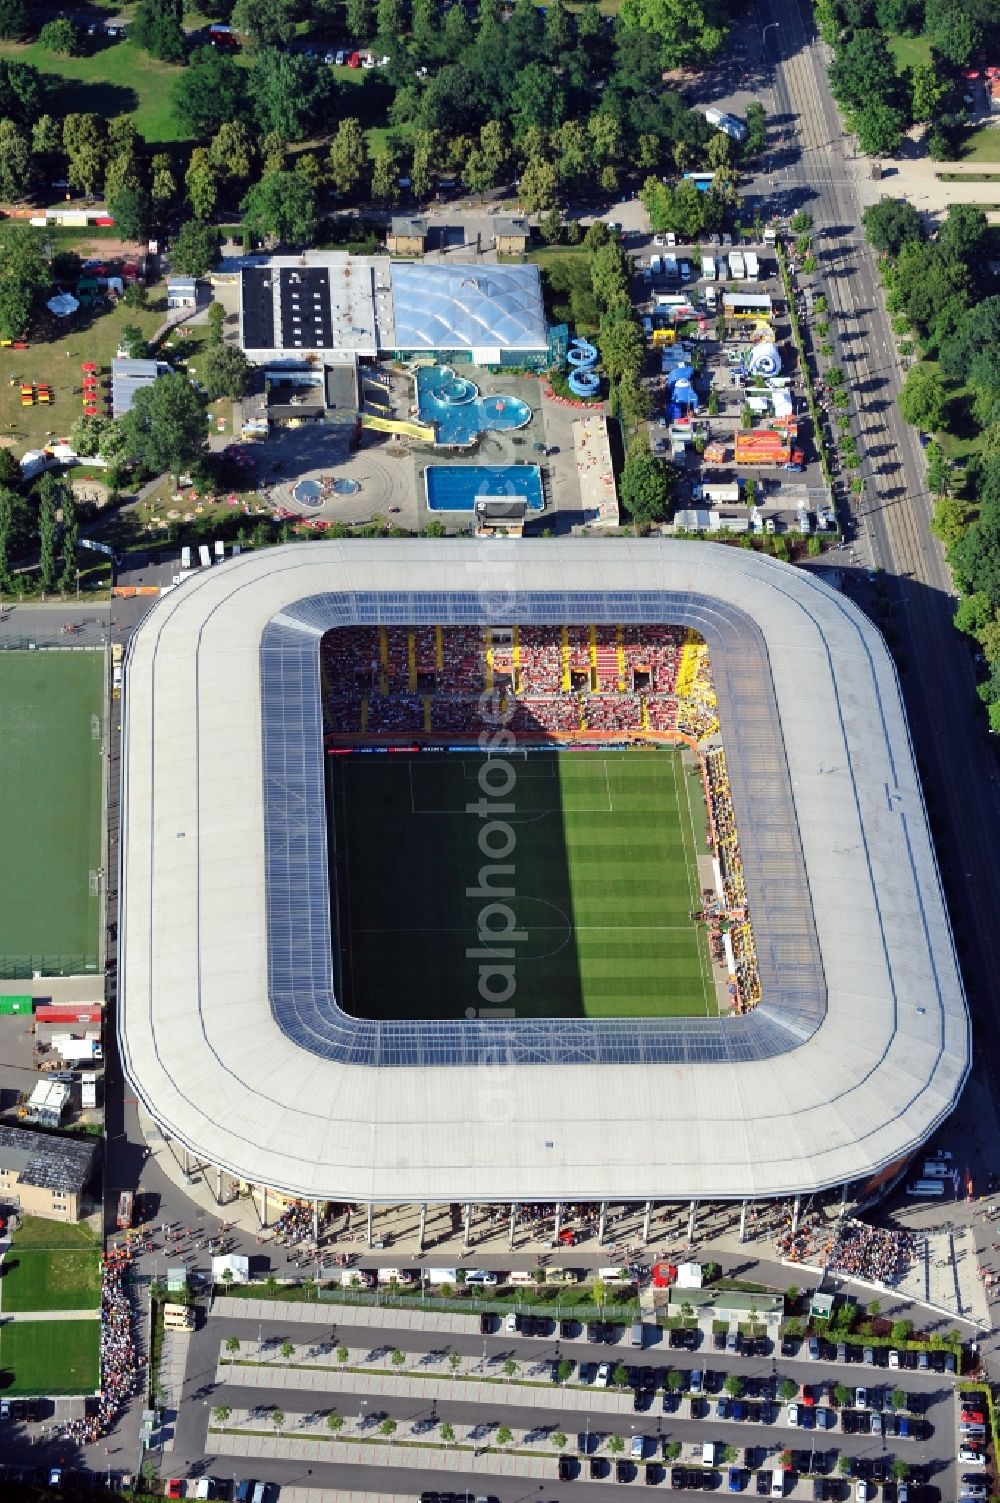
(424, 431)
(581, 357)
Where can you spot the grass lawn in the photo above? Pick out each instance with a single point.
(57, 362)
(38, 1231)
(40, 1279)
(982, 145)
(569, 296)
(51, 1356)
(605, 882)
(908, 51)
(50, 765)
(118, 79)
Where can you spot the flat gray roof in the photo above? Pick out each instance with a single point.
(229, 1028)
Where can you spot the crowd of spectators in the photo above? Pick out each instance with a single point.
(877, 1254)
(612, 679)
(121, 1368)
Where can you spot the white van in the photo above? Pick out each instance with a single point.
(655, 265)
(441, 1275)
(357, 1278)
(521, 1276)
(708, 1453)
(220, 550)
(185, 557)
(613, 1275)
(398, 1276)
(777, 1483)
(935, 1169)
(204, 556)
(480, 1276)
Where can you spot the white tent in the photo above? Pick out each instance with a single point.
(689, 1276)
(238, 1266)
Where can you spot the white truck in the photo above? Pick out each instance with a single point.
(737, 269)
(437, 1276)
(719, 495)
(708, 268)
(670, 268)
(76, 1050)
(752, 266)
(88, 1090)
(728, 124)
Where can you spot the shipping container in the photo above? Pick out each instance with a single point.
(16, 1006)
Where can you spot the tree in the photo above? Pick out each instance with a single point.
(25, 279)
(845, 1465)
(334, 1421)
(202, 183)
(623, 348)
(898, 1398)
(756, 120)
(164, 185)
(233, 151)
(454, 1362)
(616, 1445)
(347, 162)
(13, 20)
(70, 539)
(282, 204)
(923, 401)
(564, 1370)
(539, 185)
(225, 372)
(132, 211)
(879, 128)
(50, 492)
(165, 429)
(265, 23)
(900, 1332)
(900, 1469)
(232, 1343)
(447, 1433)
(360, 17)
(388, 1427)
(509, 1368)
(890, 223)
(842, 1395)
(863, 70)
(385, 175)
(733, 1385)
(953, 31)
(133, 342)
(277, 1418)
(59, 35)
(504, 1435)
(342, 1355)
(964, 236)
(195, 249)
(927, 91)
(156, 26)
(619, 1375)
(85, 145)
(536, 98)
(674, 33)
(221, 1413)
(788, 1390)
(15, 161)
(291, 93)
(675, 1380)
(210, 92)
(286, 1349)
(558, 1439)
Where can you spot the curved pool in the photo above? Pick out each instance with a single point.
(308, 493)
(459, 414)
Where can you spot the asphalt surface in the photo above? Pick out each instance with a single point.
(957, 758)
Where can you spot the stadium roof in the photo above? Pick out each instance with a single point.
(442, 307)
(229, 1029)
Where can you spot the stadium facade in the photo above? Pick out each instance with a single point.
(229, 1028)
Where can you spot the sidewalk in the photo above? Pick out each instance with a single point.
(7, 1316)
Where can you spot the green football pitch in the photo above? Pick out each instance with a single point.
(603, 883)
(50, 768)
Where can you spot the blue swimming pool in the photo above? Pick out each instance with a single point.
(458, 487)
(453, 403)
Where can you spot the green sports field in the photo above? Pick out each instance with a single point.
(50, 771)
(50, 1356)
(604, 880)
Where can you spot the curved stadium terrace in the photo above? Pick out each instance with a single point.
(229, 1027)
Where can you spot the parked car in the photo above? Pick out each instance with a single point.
(603, 1375)
(567, 1468)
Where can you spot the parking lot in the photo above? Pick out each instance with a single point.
(571, 1403)
(715, 308)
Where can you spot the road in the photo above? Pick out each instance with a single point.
(956, 757)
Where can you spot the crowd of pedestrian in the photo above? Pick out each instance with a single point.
(121, 1362)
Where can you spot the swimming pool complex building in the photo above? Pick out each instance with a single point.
(230, 1031)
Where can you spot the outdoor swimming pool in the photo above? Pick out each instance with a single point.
(458, 487)
(461, 414)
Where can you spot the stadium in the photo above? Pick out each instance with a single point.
(580, 870)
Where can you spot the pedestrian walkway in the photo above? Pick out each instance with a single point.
(11, 1315)
(173, 1364)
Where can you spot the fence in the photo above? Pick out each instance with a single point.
(24, 967)
(475, 1305)
(90, 638)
